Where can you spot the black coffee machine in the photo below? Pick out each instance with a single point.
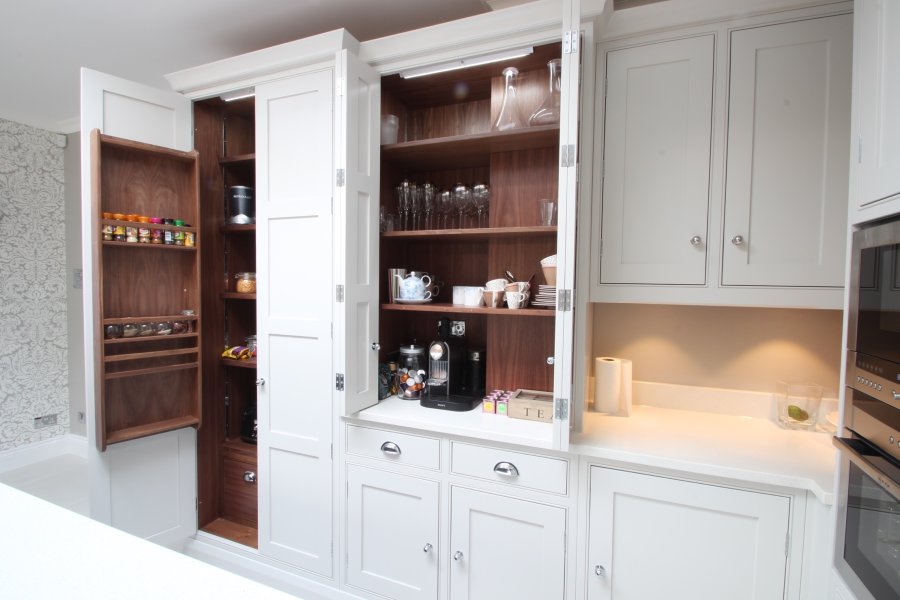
(448, 386)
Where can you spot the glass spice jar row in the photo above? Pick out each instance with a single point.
(144, 232)
(114, 331)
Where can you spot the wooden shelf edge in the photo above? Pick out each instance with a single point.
(480, 310)
(149, 338)
(139, 431)
(483, 232)
(193, 248)
(238, 159)
(512, 136)
(238, 363)
(151, 370)
(237, 296)
(155, 354)
(110, 140)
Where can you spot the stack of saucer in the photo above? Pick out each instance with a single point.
(546, 296)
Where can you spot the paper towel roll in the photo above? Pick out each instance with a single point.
(612, 385)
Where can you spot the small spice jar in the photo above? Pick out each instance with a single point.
(130, 330)
(188, 323)
(162, 328)
(143, 230)
(156, 234)
(118, 217)
(145, 329)
(250, 342)
(246, 283)
(178, 234)
(107, 231)
(168, 234)
(113, 332)
(189, 238)
(131, 234)
(119, 233)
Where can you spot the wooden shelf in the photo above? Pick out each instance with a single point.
(132, 433)
(157, 319)
(151, 370)
(149, 338)
(233, 228)
(237, 296)
(237, 363)
(240, 159)
(239, 447)
(154, 354)
(435, 307)
(482, 233)
(193, 248)
(465, 151)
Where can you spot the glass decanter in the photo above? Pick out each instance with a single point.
(548, 112)
(509, 117)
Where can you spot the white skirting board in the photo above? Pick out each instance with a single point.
(23, 456)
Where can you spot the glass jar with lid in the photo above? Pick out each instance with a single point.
(412, 372)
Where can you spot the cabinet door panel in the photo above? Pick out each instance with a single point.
(787, 166)
(663, 538)
(505, 549)
(294, 313)
(876, 164)
(390, 519)
(656, 162)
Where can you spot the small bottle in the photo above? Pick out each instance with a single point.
(190, 239)
(168, 234)
(131, 234)
(119, 233)
(156, 234)
(107, 232)
(178, 234)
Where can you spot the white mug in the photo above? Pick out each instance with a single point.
(516, 299)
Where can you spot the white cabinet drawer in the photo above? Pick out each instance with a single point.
(399, 448)
(516, 468)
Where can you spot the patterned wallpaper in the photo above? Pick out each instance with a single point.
(33, 368)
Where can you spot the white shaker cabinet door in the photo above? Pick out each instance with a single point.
(654, 537)
(656, 163)
(787, 167)
(503, 548)
(294, 190)
(875, 146)
(392, 530)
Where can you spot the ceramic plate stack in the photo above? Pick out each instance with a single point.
(546, 296)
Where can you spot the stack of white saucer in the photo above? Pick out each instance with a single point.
(546, 296)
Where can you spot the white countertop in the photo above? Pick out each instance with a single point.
(741, 448)
(711, 432)
(51, 552)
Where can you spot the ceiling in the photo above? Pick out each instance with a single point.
(45, 42)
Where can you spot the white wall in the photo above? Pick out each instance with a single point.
(33, 315)
(74, 295)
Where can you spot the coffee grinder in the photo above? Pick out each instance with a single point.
(446, 385)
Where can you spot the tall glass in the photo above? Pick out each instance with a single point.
(509, 116)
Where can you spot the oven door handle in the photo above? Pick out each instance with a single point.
(859, 459)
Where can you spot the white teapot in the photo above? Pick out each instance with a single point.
(413, 287)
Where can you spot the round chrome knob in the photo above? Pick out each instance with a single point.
(260, 382)
(376, 346)
(551, 360)
(427, 548)
(737, 240)
(457, 555)
(249, 476)
(599, 571)
(696, 240)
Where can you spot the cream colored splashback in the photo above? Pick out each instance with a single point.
(727, 347)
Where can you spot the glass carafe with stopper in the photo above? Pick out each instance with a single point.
(509, 117)
(548, 112)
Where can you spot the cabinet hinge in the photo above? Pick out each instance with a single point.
(859, 149)
(196, 504)
(570, 42)
(564, 300)
(339, 293)
(561, 408)
(567, 155)
(340, 178)
(339, 382)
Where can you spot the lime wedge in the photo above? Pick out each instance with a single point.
(797, 413)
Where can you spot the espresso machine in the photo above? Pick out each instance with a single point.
(446, 387)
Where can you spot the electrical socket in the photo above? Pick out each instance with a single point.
(457, 328)
(45, 421)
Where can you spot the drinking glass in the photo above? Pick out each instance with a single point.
(415, 205)
(462, 197)
(445, 206)
(481, 196)
(429, 201)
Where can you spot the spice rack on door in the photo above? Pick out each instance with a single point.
(149, 383)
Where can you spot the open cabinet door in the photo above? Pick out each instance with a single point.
(146, 486)
(356, 232)
(295, 188)
(564, 365)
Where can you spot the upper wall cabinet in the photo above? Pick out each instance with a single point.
(724, 164)
(656, 164)
(875, 143)
(787, 165)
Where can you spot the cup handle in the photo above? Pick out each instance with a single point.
(426, 280)
(435, 291)
(427, 296)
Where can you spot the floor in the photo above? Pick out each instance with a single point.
(62, 480)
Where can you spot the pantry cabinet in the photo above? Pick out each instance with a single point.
(656, 537)
(753, 219)
(875, 140)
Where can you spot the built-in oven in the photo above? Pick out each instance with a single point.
(867, 541)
